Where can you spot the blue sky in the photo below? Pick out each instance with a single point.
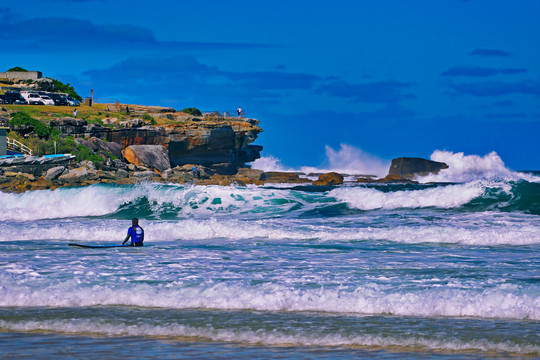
(391, 77)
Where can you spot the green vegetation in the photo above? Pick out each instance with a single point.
(42, 138)
(59, 86)
(65, 145)
(149, 119)
(17, 68)
(38, 128)
(192, 111)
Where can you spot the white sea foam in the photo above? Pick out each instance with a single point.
(272, 337)
(98, 200)
(59, 203)
(502, 301)
(464, 168)
(453, 230)
(442, 197)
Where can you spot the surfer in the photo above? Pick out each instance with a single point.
(136, 233)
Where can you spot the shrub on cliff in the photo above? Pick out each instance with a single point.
(65, 145)
(192, 111)
(148, 118)
(40, 129)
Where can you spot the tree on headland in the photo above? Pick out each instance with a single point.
(58, 86)
(192, 111)
(17, 68)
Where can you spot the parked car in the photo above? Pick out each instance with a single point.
(32, 98)
(72, 101)
(3, 100)
(15, 98)
(58, 99)
(47, 100)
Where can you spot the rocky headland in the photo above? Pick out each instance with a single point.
(163, 145)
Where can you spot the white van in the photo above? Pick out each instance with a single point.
(32, 98)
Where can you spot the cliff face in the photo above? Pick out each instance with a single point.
(223, 145)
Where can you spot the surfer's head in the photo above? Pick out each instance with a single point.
(134, 222)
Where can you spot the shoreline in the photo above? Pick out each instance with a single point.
(17, 179)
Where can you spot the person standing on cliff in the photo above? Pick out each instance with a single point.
(136, 233)
(195, 172)
(239, 111)
(75, 112)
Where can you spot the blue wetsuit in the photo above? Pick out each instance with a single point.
(137, 235)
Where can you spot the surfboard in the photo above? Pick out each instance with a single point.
(98, 246)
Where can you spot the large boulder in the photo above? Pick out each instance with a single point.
(408, 168)
(110, 146)
(54, 172)
(69, 125)
(151, 156)
(78, 175)
(331, 178)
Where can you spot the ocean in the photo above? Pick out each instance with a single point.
(427, 271)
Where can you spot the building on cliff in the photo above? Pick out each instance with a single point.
(21, 75)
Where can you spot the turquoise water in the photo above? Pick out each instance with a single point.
(390, 271)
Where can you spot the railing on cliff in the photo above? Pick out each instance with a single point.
(17, 146)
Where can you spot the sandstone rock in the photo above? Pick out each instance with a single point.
(106, 175)
(132, 123)
(110, 121)
(68, 125)
(107, 146)
(365, 180)
(102, 148)
(167, 174)
(331, 178)
(152, 156)
(121, 173)
(395, 179)
(249, 153)
(283, 177)
(78, 175)
(22, 175)
(54, 172)
(408, 168)
(119, 164)
(88, 164)
(252, 174)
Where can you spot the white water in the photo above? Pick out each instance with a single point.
(465, 168)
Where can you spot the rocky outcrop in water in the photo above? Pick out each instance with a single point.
(408, 168)
(329, 179)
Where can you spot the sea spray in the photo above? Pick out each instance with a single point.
(465, 168)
